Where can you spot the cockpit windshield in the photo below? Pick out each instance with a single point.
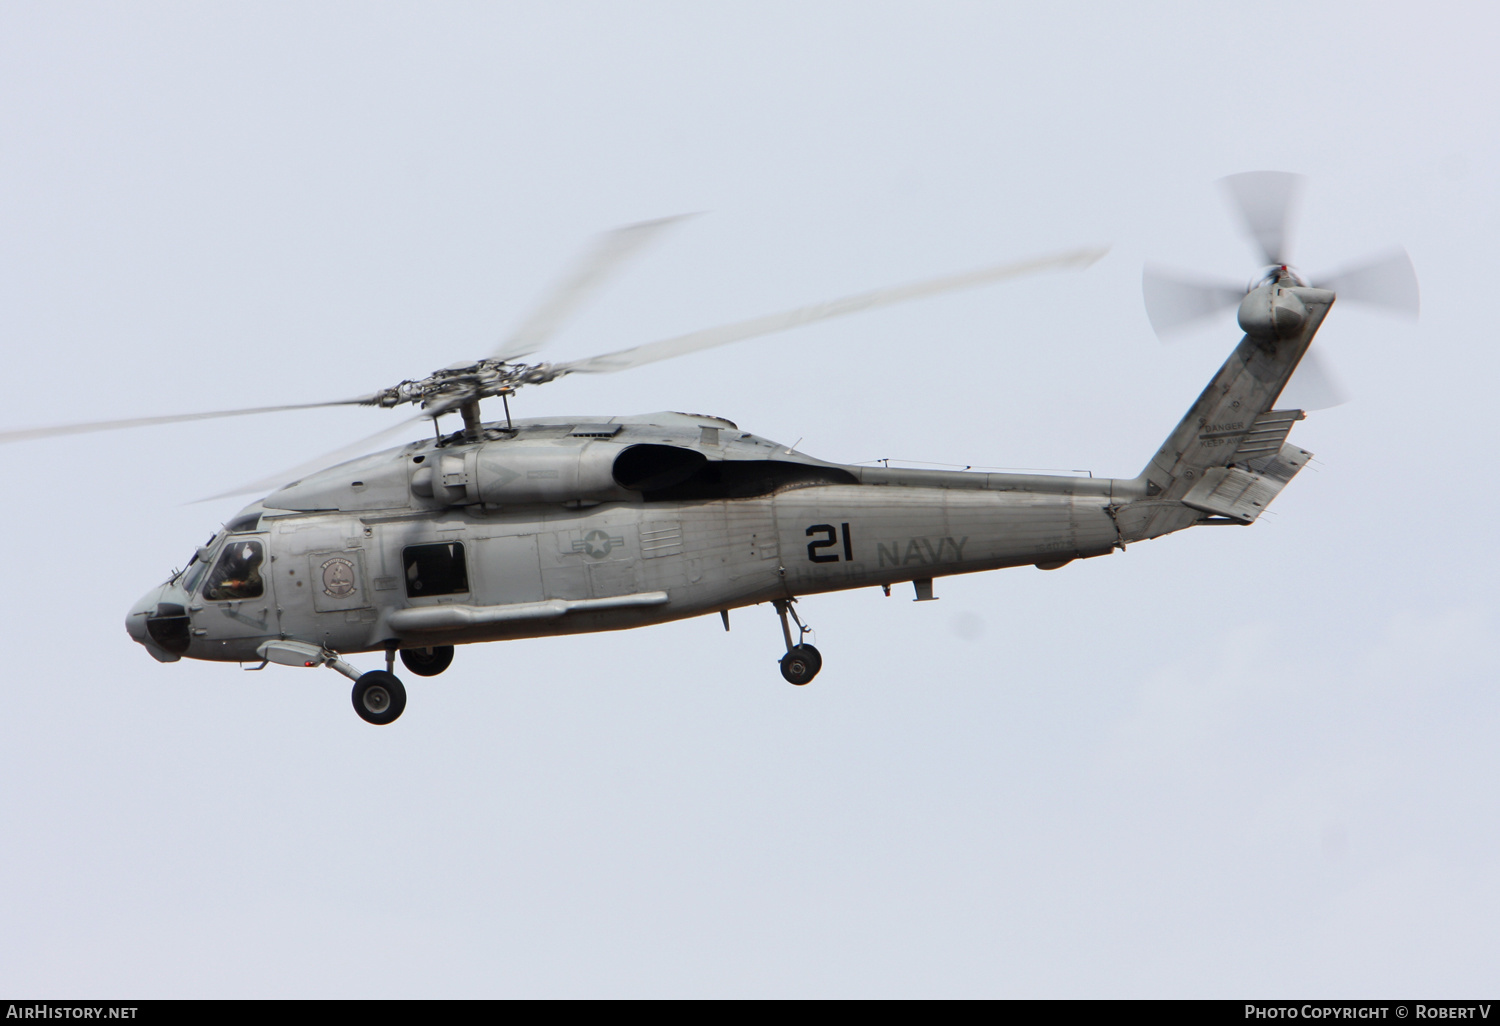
(188, 576)
(237, 573)
(191, 575)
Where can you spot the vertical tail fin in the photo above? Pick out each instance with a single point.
(1231, 433)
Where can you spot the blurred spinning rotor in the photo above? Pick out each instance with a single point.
(459, 387)
(1265, 202)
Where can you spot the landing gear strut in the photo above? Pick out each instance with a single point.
(802, 661)
(379, 697)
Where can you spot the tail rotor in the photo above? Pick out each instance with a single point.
(1266, 202)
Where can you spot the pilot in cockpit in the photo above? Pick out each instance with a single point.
(237, 575)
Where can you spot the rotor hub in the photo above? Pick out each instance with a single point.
(455, 386)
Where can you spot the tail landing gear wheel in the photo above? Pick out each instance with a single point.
(427, 662)
(379, 697)
(801, 664)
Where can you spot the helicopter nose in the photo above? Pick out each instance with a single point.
(135, 620)
(161, 627)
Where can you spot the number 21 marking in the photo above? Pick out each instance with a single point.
(830, 538)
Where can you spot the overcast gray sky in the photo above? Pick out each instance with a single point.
(1223, 763)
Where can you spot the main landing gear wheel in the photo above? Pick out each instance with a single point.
(801, 664)
(427, 662)
(379, 697)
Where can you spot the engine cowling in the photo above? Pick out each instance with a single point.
(507, 475)
(516, 475)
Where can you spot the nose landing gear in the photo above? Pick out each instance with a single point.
(802, 661)
(379, 697)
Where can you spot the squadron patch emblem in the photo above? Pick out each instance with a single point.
(338, 577)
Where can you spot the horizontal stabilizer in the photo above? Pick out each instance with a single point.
(1242, 491)
(1267, 434)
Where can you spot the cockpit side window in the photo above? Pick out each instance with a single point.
(237, 574)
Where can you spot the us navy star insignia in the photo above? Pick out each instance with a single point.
(597, 544)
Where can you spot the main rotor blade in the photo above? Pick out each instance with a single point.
(1175, 303)
(328, 459)
(1314, 386)
(635, 356)
(27, 434)
(608, 253)
(1264, 200)
(1389, 281)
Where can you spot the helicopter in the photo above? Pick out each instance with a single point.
(521, 528)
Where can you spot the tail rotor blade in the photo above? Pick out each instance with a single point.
(607, 255)
(1388, 281)
(1265, 202)
(1175, 303)
(1314, 386)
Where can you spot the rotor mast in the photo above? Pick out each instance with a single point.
(472, 428)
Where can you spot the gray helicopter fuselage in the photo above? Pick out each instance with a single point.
(567, 526)
(447, 544)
